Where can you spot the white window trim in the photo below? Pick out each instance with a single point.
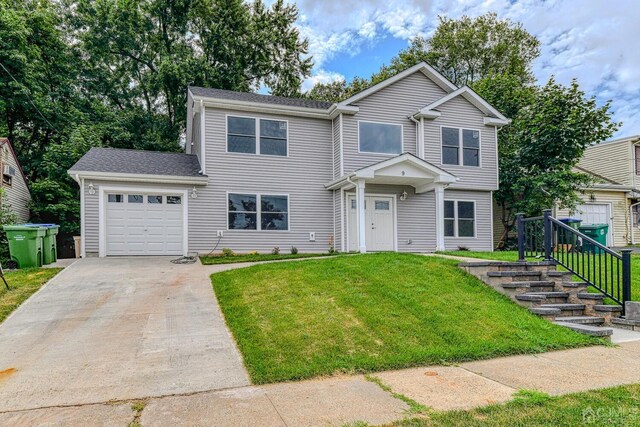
(348, 196)
(455, 219)
(102, 213)
(259, 211)
(381, 123)
(257, 120)
(461, 147)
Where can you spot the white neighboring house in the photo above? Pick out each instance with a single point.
(14, 182)
(407, 165)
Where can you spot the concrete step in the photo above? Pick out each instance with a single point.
(632, 325)
(583, 320)
(530, 297)
(561, 274)
(590, 296)
(536, 285)
(511, 273)
(552, 297)
(607, 308)
(545, 311)
(594, 331)
(567, 309)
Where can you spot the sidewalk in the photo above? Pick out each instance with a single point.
(347, 399)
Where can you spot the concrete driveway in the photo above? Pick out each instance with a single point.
(114, 329)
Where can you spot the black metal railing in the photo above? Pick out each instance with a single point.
(544, 237)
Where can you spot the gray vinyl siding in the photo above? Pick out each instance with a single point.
(18, 195)
(484, 237)
(416, 229)
(337, 161)
(302, 175)
(458, 112)
(393, 104)
(195, 136)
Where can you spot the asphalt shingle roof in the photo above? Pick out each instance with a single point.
(117, 160)
(259, 98)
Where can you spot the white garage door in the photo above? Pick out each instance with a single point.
(592, 213)
(144, 224)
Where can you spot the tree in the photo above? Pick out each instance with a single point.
(539, 150)
(464, 50)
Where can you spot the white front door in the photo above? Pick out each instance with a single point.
(143, 224)
(379, 223)
(593, 213)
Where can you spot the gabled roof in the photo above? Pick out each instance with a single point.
(258, 98)
(6, 141)
(476, 100)
(117, 162)
(627, 139)
(423, 67)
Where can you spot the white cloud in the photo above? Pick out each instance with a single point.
(591, 40)
(321, 76)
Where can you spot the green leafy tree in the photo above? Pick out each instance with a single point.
(539, 150)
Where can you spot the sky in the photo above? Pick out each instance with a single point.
(595, 41)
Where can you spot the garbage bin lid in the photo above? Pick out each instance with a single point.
(593, 226)
(40, 225)
(570, 220)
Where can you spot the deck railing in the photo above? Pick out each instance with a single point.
(544, 237)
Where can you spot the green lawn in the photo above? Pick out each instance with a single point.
(372, 312)
(513, 256)
(23, 284)
(616, 406)
(231, 259)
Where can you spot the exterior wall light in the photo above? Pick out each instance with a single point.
(92, 190)
(194, 193)
(403, 195)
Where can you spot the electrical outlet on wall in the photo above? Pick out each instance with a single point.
(220, 233)
(312, 236)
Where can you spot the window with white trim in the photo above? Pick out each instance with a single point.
(257, 136)
(459, 218)
(380, 138)
(258, 212)
(460, 146)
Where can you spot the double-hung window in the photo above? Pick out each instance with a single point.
(459, 218)
(460, 147)
(380, 138)
(256, 136)
(258, 212)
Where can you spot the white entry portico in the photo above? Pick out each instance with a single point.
(372, 230)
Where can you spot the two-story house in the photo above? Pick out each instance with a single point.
(409, 164)
(614, 198)
(14, 182)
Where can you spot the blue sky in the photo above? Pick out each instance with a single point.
(595, 41)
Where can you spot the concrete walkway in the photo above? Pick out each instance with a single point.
(339, 400)
(113, 329)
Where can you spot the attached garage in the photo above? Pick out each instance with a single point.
(139, 223)
(136, 203)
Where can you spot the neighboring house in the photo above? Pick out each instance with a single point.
(14, 182)
(613, 199)
(409, 165)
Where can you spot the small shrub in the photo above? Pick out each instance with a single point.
(275, 251)
(252, 253)
(294, 250)
(332, 249)
(463, 248)
(227, 252)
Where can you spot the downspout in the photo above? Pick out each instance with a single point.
(419, 136)
(348, 179)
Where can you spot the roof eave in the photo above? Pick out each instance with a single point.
(124, 177)
(261, 107)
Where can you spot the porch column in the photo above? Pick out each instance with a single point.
(439, 190)
(362, 245)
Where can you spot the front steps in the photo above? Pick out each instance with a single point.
(551, 294)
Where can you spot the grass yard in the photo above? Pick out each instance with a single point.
(513, 256)
(231, 259)
(616, 406)
(23, 284)
(373, 312)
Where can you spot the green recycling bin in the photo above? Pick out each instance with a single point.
(49, 248)
(25, 245)
(597, 232)
(566, 237)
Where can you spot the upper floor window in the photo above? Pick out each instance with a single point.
(460, 146)
(256, 136)
(380, 138)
